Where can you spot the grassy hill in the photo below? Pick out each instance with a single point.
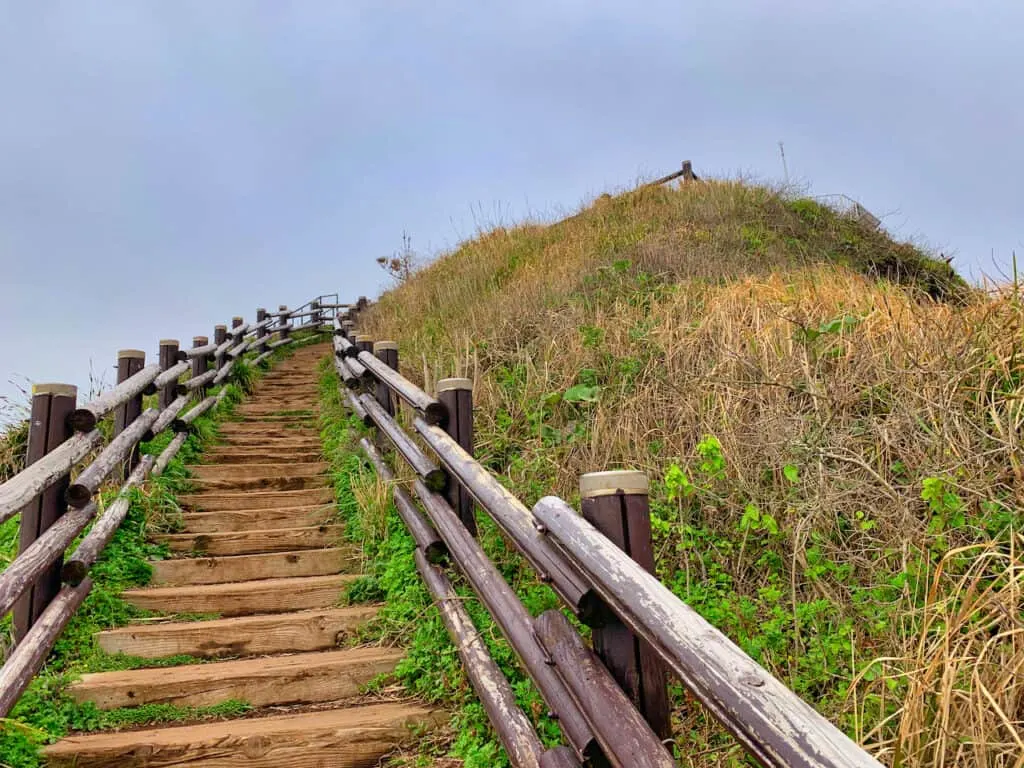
(831, 421)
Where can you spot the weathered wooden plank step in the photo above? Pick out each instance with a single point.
(266, 483)
(257, 519)
(254, 469)
(301, 678)
(228, 456)
(263, 565)
(248, 542)
(354, 737)
(290, 442)
(240, 598)
(217, 501)
(311, 630)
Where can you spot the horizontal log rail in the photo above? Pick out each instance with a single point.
(772, 723)
(30, 564)
(80, 492)
(432, 411)
(29, 655)
(183, 423)
(515, 520)
(196, 382)
(57, 506)
(421, 465)
(37, 477)
(207, 350)
(171, 375)
(168, 414)
(78, 565)
(84, 419)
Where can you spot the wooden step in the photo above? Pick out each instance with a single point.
(248, 542)
(273, 565)
(225, 456)
(217, 501)
(246, 471)
(312, 630)
(286, 483)
(268, 430)
(289, 443)
(240, 598)
(286, 422)
(354, 737)
(301, 678)
(251, 519)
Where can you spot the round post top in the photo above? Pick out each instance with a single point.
(220, 327)
(383, 346)
(200, 341)
(168, 342)
(135, 354)
(444, 385)
(363, 337)
(56, 390)
(612, 482)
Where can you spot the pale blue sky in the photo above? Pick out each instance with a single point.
(165, 165)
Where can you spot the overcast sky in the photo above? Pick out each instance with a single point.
(165, 165)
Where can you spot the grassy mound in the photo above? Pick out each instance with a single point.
(832, 424)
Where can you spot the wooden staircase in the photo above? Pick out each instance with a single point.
(259, 549)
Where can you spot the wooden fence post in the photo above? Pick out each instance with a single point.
(314, 318)
(129, 362)
(282, 320)
(168, 359)
(236, 323)
(364, 343)
(220, 335)
(456, 395)
(261, 334)
(616, 504)
(199, 362)
(387, 353)
(348, 329)
(48, 428)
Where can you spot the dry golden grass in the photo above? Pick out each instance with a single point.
(724, 310)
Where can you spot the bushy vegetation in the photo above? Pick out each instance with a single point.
(831, 421)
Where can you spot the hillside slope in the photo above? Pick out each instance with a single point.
(831, 421)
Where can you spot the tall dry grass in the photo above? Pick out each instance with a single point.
(712, 310)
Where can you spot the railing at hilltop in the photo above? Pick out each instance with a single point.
(610, 702)
(42, 585)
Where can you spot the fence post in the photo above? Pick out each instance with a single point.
(220, 335)
(456, 395)
(314, 318)
(616, 504)
(364, 343)
(261, 334)
(168, 359)
(236, 323)
(348, 329)
(387, 353)
(48, 428)
(199, 362)
(282, 320)
(129, 362)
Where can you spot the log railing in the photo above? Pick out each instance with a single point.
(610, 701)
(56, 497)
